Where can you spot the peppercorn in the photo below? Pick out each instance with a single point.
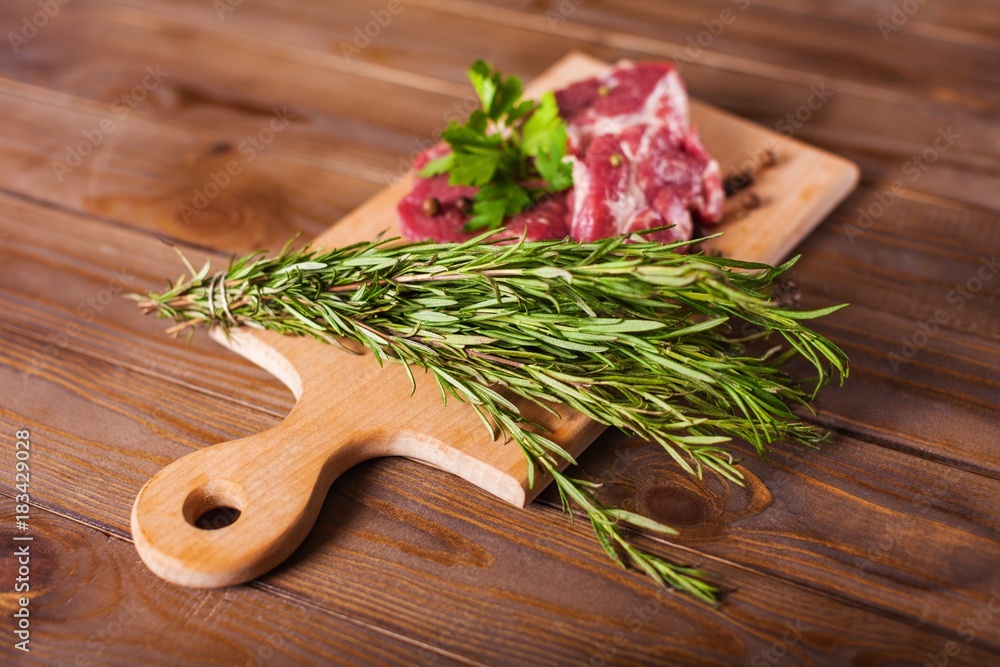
(733, 183)
(464, 205)
(431, 207)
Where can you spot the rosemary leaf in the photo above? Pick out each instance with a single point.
(629, 332)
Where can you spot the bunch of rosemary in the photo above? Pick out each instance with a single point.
(631, 333)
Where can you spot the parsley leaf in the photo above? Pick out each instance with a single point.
(513, 150)
(545, 140)
(495, 202)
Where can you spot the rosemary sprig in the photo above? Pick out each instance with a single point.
(631, 333)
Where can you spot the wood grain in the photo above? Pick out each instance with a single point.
(973, 22)
(913, 461)
(85, 267)
(103, 491)
(92, 604)
(83, 263)
(774, 35)
(421, 555)
(958, 365)
(747, 42)
(880, 130)
(834, 506)
(157, 169)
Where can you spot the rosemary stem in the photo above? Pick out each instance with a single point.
(632, 334)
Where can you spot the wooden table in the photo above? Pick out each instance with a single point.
(119, 115)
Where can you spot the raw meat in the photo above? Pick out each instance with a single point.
(447, 223)
(637, 164)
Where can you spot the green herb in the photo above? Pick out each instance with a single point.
(511, 149)
(632, 334)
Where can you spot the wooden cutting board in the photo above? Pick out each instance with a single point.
(350, 410)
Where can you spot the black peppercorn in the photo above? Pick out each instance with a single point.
(431, 207)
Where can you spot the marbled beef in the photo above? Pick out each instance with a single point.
(637, 164)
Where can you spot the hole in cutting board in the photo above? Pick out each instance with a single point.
(217, 517)
(214, 505)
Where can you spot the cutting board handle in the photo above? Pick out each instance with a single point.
(272, 480)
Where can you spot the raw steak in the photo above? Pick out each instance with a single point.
(549, 219)
(637, 164)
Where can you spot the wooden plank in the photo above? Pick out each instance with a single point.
(908, 257)
(882, 130)
(709, 639)
(92, 603)
(973, 22)
(417, 553)
(952, 368)
(66, 293)
(808, 43)
(941, 404)
(766, 34)
(164, 177)
(79, 257)
(955, 366)
(836, 506)
(228, 88)
(922, 329)
(414, 548)
(134, 437)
